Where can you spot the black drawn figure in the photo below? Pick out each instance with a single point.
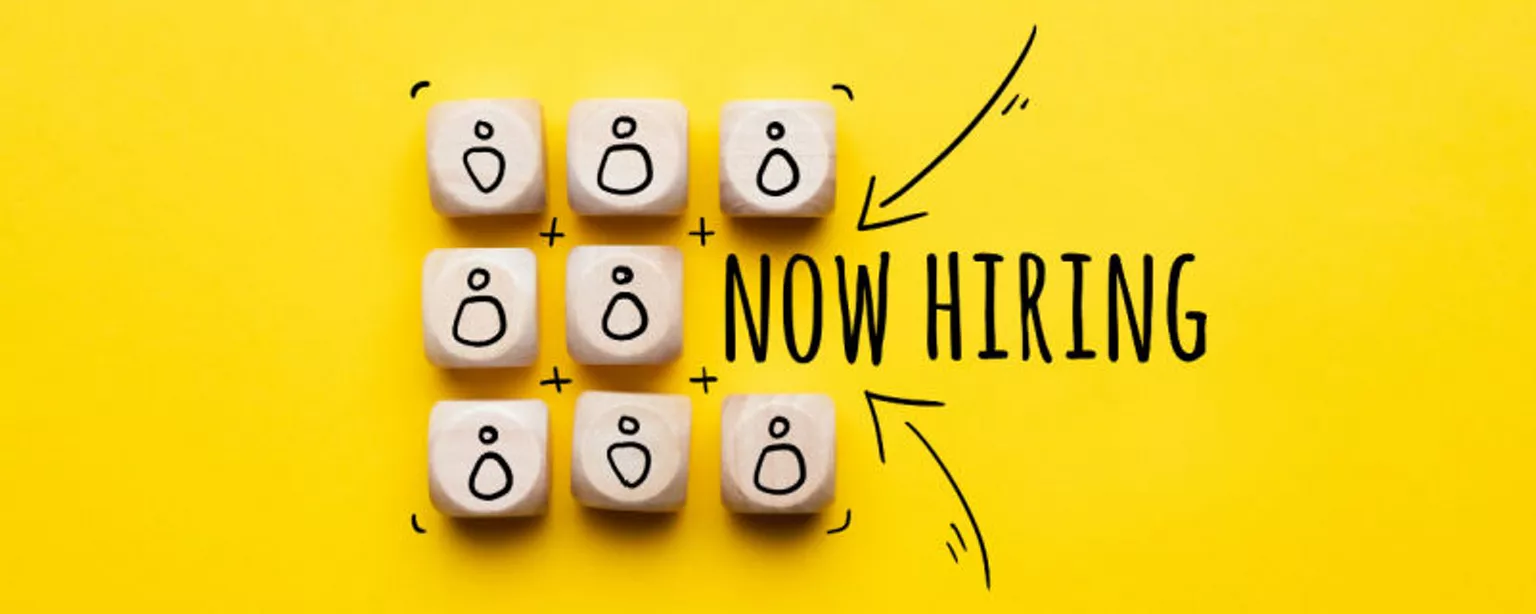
(501, 474)
(630, 451)
(479, 308)
(778, 427)
(623, 275)
(489, 157)
(623, 128)
(780, 163)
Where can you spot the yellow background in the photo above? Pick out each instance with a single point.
(213, 217)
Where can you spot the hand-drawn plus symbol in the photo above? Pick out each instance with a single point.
(704, 379)
(703, 233)
(847, 520)
(788, 453)
(416, 527)
(492, 163)
(500, 476)
(637, 454)
(869, 194)
(476, 310)
(553, 233)
(556, 381)
(625, 156)
(420, 85)
(838, 87)
(623, 276)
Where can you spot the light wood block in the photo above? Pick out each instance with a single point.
(630, 451)
(777, 158)
(627, 156)
(489, 458)
(486, 157)
(479, 307)
(778, 453)
(624, 304)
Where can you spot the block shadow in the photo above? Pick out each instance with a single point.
(494, 534)
(777, 530)
(632, 527)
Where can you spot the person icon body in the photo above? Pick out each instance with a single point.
(616, 172)
(638, 321)
(623, 456)
(779, 174)
(779, 455)
(469, 321)
(485, 164)
(498, 479)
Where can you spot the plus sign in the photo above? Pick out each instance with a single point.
(702, 233)
(704, 379)
(552, 234)
(556, 380)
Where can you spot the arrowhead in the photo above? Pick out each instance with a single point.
(870, 398)
(865, 224)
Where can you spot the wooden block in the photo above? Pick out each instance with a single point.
(627, 156)
(479, 307)
(778, 453)
(486, 157)
(630, 451)
(624, 304)
(777, 158)
(489, 458)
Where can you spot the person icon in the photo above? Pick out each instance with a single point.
(623, 456)
(616, 172)
(787, 453)
(469, 321)
(778, 166)
(484, 160)
(623, 275)
(499, 479)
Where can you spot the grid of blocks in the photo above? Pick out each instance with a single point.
(623, 306)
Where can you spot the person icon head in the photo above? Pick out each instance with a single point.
(483, 130)
(623, 127)
(628, 425)
(622, 275)
(478, 279)
(778, 427)
(488, 434)
(775, 131)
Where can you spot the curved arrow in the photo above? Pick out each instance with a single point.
(865, 224)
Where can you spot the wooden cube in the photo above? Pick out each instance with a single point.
(778, 453)
(624, 304)
(627, 156)
(630, 451)
(486, 157)
(479, 307)
(777, 158)
(489, 458)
